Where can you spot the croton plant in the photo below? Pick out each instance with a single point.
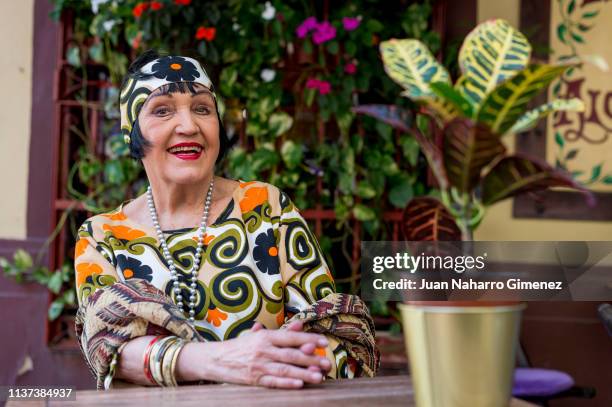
(462, 140)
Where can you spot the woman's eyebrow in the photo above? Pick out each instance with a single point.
(169, 94)
(202, 92)
(155, 95)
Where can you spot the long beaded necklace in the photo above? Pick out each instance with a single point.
(168, 257)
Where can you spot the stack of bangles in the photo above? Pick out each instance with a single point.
(160, 360)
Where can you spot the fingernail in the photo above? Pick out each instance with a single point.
(316, 376)
(323, 342)
(324, 362)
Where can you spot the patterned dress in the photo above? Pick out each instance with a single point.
(260, 263)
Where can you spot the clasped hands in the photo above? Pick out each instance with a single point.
(273, 358)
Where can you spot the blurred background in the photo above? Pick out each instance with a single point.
(287, 91)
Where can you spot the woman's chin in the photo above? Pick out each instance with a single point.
(187, 176)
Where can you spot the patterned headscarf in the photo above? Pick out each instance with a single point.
(162, 71)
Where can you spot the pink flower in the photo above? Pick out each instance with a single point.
(312, 83)
(324, 32)
(307, 26)
(324, 87)
(350, 23)
(350, 68)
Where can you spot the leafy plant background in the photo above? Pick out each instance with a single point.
(262, 69)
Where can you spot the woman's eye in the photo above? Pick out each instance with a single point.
(202, 109)
(161, 111)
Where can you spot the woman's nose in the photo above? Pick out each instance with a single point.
(187, 124)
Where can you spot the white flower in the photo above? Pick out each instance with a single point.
(235, 26)
(268, 75)
(108, 25)
(95, 4)
(269, 11)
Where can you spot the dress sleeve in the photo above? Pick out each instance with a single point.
(307, 278)
(114, 310)
(93, 264)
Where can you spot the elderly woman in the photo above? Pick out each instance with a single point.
(203, 278)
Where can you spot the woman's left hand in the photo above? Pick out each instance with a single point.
(307, 349)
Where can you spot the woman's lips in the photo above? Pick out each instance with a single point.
(183, 155)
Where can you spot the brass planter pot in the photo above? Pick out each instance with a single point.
(461, 356)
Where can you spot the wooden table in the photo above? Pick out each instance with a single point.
(388, 391)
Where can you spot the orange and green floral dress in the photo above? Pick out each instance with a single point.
(260, 263)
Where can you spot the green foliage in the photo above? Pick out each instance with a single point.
(23, 270)
(529, 120)
(250, 70)
(505, 105)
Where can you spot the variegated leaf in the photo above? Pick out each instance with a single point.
(509, 101)
(529, 120)
(490, 54)
(468, 148)
(409, 63)
(426, 219)
(518, 174)
(441, 108)
(450, 94)
(460, 87)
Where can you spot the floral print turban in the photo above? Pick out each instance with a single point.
(162, 71)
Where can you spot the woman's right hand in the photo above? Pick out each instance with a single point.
(270, 358)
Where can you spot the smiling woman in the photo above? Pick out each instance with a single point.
(178, 284)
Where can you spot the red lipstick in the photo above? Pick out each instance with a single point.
(186, 151)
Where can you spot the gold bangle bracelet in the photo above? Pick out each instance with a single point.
(159, 348)
(152, 360)
(161, 356)
(165, 365)
(169, 363)
(175, 359)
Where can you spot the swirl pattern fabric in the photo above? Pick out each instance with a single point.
(348, 318)
(260, 263)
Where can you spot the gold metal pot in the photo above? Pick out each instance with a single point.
(461, 356)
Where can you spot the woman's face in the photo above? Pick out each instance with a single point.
(183, 130)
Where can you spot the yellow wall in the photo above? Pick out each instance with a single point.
(16, 43)
(499, 223)
(506, 9)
